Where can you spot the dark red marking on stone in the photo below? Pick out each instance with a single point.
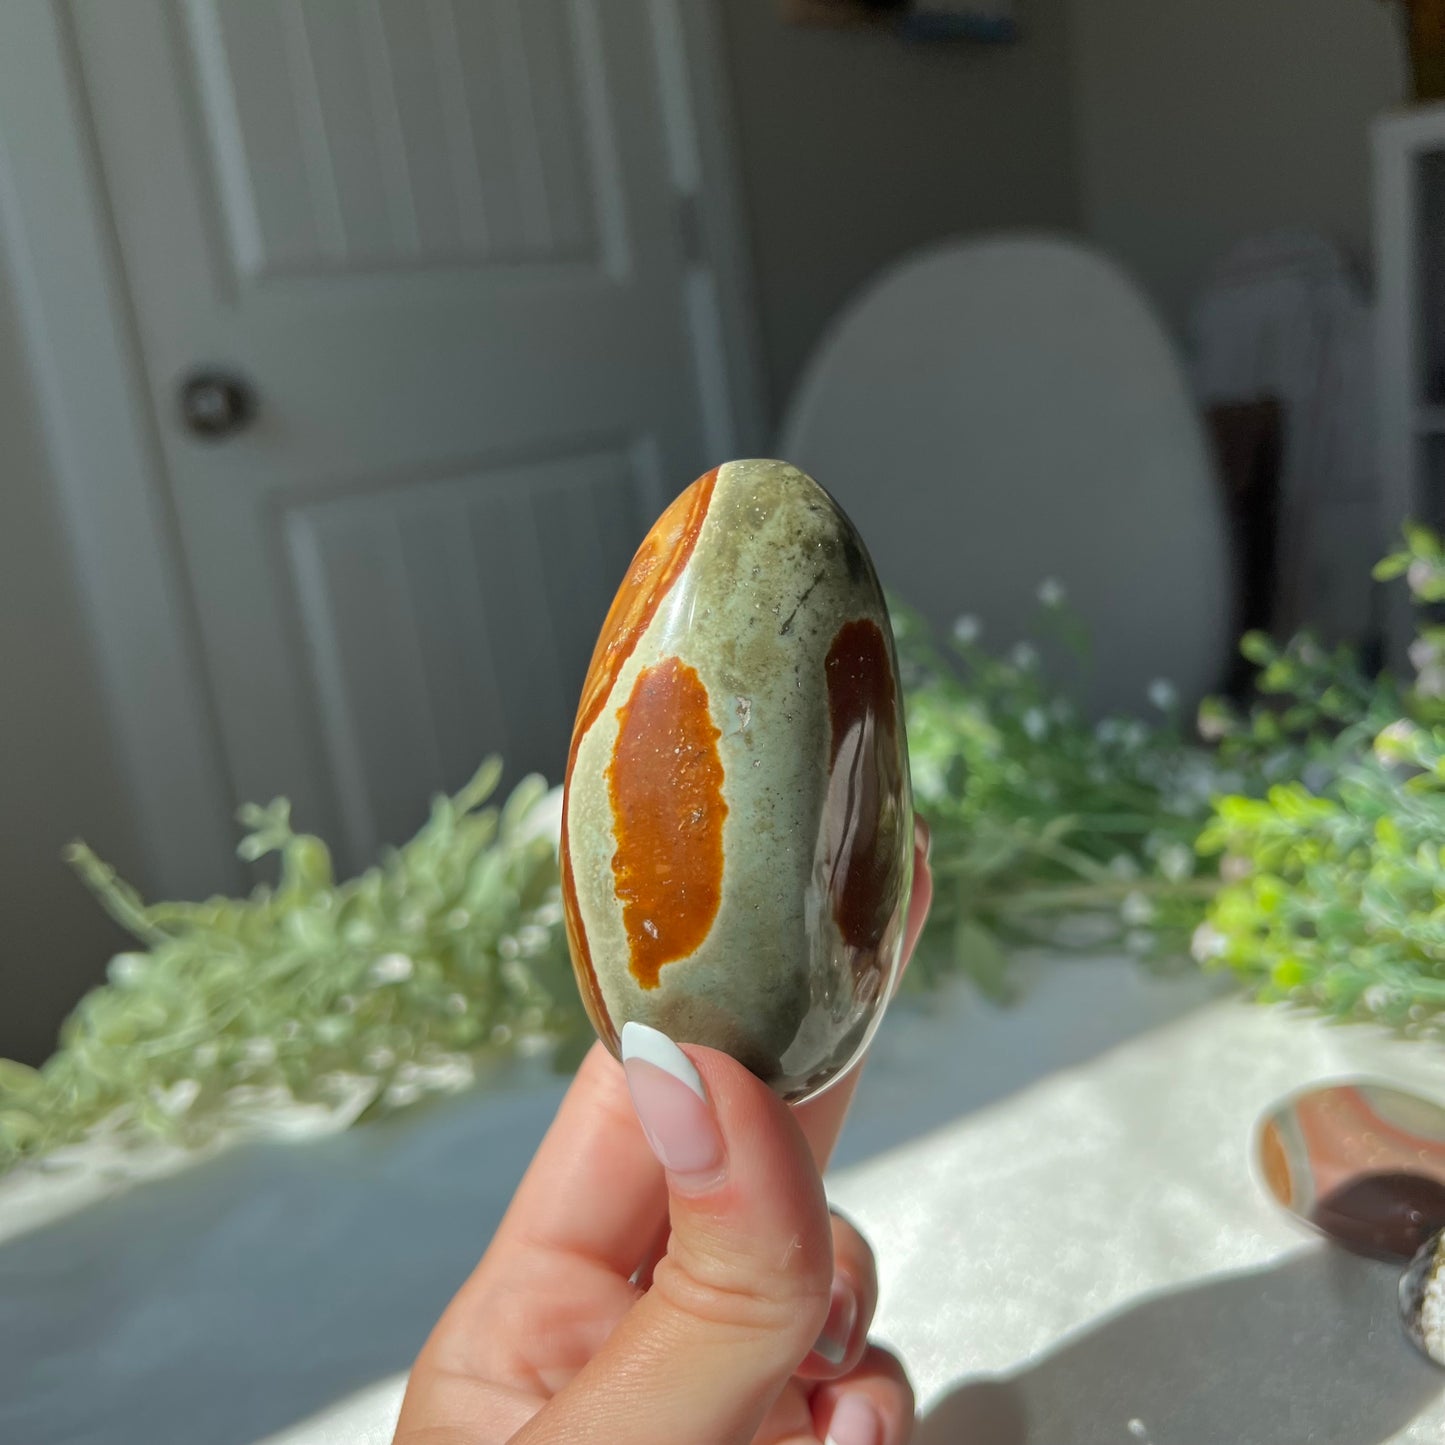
(865, 865)
(1386, 1215)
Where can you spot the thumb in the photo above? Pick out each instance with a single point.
(743, 1292)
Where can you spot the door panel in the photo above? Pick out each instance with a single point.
(438, 240)
(376, 133)
(422, 606)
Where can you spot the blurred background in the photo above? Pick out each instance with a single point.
(347, 351)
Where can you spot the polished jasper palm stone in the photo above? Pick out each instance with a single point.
(1365, 1165)
(1361, 1162)
(737, 829)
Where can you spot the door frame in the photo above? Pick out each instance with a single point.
(83, 356)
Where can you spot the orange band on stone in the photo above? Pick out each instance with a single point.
(659, 562)
(666, 788)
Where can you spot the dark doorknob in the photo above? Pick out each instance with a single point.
(215, 404)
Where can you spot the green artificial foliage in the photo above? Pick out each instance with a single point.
(367, 995)
(1047, 827)
(1333, 868)
(1299, 844)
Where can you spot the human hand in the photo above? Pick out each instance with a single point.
(673, 1281)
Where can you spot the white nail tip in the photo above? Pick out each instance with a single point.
(654, 1047)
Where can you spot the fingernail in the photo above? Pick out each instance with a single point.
(838, 1330)
(923, 835)
(671, 1103)
(855, 1422)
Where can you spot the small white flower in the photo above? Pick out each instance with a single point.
(1422, 653)
(967, 629)
(259, 1052)
(533, 939)
(456, 1003)
(127, 969)
(1235, 868)
(1176, 862)
(929, 783)
(1024, 656)
(1123, 867)
(1207, 943)
(1051, 592)
(549, 915)
(1163, 694)
(1035, 724)
(175, 1100)
(1134, 735)
(1213, 725)
(1136, 909)
(1377, 997)
(1397, 742)
(1139, 940)
(392, 968)
(1419, 575)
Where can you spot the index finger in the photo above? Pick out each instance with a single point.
(595, 1188)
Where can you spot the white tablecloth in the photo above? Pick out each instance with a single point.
(1072, 1245)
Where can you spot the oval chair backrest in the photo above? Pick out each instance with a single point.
(996, 413)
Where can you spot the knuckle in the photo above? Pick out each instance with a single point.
(790, 1304)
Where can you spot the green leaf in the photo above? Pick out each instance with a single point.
(979, 955)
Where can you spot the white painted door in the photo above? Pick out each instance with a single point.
(438, 240)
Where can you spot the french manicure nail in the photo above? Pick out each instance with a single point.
(855, 1422)
(838, 1329)
(671, 1103)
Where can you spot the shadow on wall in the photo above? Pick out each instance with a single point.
(1310, 1349)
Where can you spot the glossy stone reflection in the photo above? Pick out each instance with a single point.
(1361, 1162)
(737, 833)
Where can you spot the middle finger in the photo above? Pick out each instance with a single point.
(850, 1315)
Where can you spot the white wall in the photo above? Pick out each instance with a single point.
(58, 777)
(855, 148)
(1200, 122)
